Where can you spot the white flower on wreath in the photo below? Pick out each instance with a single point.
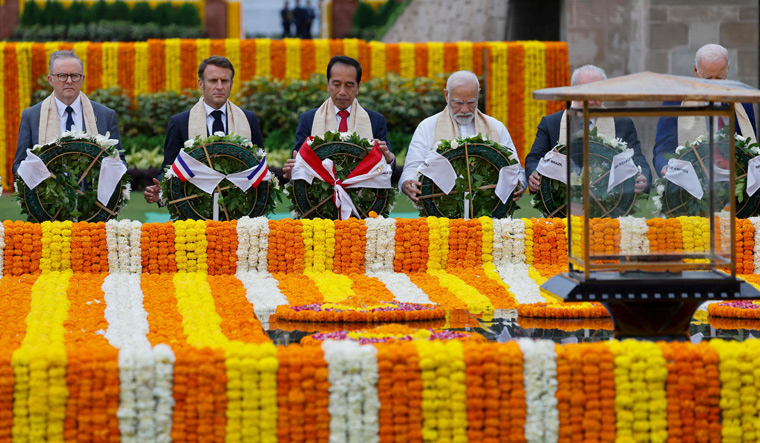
(755, 150)
(127, 191)
(680, 149)
(105, 140)
(189, 143)
(740, 137)
(309, 141)
(454, 144)
(344, 136)
(219, 134)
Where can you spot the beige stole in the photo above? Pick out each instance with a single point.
(358, 121)
(446, 128)
(604, 127)
(691, 127)
(50, 121)
(236, 121)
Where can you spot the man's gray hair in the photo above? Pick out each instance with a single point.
(586, 70)
(711, 53)
(63, 54)
(460, 78)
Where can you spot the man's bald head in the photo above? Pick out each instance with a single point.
(711, 62)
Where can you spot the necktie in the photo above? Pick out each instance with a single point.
(218, 126)
(70, 119)
(343, 127)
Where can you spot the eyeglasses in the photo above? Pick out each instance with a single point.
(469, 103)
(63, 77)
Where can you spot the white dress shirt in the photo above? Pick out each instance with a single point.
(210, 118)
(423, 141)
(76, 114)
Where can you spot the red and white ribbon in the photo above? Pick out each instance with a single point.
(372, 172)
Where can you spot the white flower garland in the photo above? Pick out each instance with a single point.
(756, 250)
(540, 380)
(127, 331)
(511, 240)
(253, 244)
(380, 247)
(2, 248)
(517, 277)
(163, 392)
(633, 236)
(124, 249)
(354, 403)
(401, 287)
(263, 292)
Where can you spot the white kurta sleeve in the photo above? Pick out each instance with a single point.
(422, 142)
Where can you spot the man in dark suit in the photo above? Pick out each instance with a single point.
(548, 135)
(342, 111)
(710, 63)
(212, 114)
(66, 109)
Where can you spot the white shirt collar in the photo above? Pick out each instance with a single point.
(76, 106)
(337, 110)
(209, 109)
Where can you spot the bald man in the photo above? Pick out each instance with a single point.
(710, 63)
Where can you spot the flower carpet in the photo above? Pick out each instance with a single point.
(123, 331)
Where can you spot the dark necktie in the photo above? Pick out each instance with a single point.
(343, 127)
(70, 119)
(218, 126)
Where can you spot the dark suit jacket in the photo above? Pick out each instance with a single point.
(176, 135)
(305, 120)
(28, 131)
(667, 141)
(547, 136)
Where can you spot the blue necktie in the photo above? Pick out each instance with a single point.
(70, 119)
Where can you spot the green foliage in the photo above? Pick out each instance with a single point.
(98, 11)
(163, 14)
(114, 98)
(107, 22)
(363, 17)
(31, 15)
(141, 13)
(118, 10)
(153, 111)
(187, 15)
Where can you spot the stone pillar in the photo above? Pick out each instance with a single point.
(342, 17)
(216, 18)
(8, 18)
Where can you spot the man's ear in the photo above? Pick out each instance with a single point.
(200, 84)
(446, 94)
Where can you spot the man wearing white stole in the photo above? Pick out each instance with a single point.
(460, 118)
(552, 131)
(710, 63)
(213, 113)
(341, 112)
(66, 109)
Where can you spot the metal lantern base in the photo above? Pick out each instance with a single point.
(650, 305)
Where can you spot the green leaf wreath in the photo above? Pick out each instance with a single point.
(674, 201)
(71, 193)
(228, 154)
(486, 158)
(551, 199)
(315, 200)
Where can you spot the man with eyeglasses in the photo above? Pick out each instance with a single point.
(66, 109)
(460, 118)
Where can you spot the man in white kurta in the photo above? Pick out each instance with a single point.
(460, 118)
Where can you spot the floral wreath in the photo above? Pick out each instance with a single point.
(477, 162)
(71, 192)
(551, 198)
(315, 200)
(227, 154)
(672, 200)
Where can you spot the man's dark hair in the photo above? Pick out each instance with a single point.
(346, 61)
(216, 60)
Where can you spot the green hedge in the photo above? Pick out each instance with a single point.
(107, 21)
(142, 122)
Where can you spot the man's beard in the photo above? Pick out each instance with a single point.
(463, 118)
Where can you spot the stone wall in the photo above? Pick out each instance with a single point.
(627, 36)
